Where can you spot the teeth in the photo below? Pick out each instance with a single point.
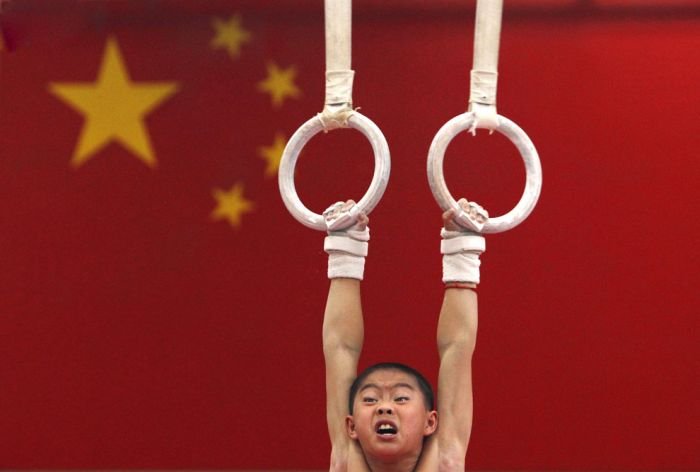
(386, 427)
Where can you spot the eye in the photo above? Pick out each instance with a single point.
(402, 399)
(369, 400)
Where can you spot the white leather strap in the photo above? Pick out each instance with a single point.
(470, 243)
(346, 245)
(483, 87)
(338, 106)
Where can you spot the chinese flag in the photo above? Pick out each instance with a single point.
(159, 307)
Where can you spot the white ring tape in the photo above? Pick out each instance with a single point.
(533, 171)
(380, 179)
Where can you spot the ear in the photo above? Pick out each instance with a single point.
(350, 427)
(431, 423)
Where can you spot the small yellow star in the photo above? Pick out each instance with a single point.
(114, 108)
(273, 154)
(230, 35)
(279, 84)
(231, 205)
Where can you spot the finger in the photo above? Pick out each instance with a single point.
(476, 210)
(448, 215)
(448, 221)
(482, 214)
(362, 221)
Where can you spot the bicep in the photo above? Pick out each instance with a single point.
(341, 369)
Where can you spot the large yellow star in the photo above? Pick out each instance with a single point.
(279, 84)
(230, 35)
(273, 154)
(231, 205)
(114, 108)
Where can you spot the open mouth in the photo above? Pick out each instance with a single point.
(386, 429)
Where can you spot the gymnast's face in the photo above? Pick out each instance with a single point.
(390, 419)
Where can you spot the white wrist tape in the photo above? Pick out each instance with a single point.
(460, 260)
(461, 267)
(346, 253)
(347, 266)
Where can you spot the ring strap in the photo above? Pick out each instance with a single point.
(484, 74)
(339, 87)
(338, 107)
(483, 87)
(339, 74)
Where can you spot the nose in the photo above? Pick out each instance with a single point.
(385, 410)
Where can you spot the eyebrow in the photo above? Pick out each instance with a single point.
(396, 385)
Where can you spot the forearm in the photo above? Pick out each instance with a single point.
(457, 326)
(456, 341)
(342, 342)
(342, 323)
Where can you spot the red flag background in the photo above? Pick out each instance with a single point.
(159, 308)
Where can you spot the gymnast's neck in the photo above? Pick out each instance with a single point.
(407, 464)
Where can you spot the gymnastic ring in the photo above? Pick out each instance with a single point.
(380, 179)
(533, 171)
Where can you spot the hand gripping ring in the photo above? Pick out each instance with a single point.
(533, 171)
(380, 179)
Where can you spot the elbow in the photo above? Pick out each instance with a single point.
(333, 344)
(342, 339)
(462, 338)
(339, 463)
(452, 459)
(451, 463)
(462, 347)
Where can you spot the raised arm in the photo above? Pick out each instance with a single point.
(342, 344)
(456, 336)
(343, 329)
(456, 339)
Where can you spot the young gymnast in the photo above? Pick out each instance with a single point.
(384, 419)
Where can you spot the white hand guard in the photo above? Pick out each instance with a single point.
(347, 248)
(460, 260)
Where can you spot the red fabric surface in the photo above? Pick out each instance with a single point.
(138, 332)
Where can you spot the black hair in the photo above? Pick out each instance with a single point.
(423, 385)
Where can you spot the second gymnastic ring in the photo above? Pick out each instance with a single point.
(533, 171)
